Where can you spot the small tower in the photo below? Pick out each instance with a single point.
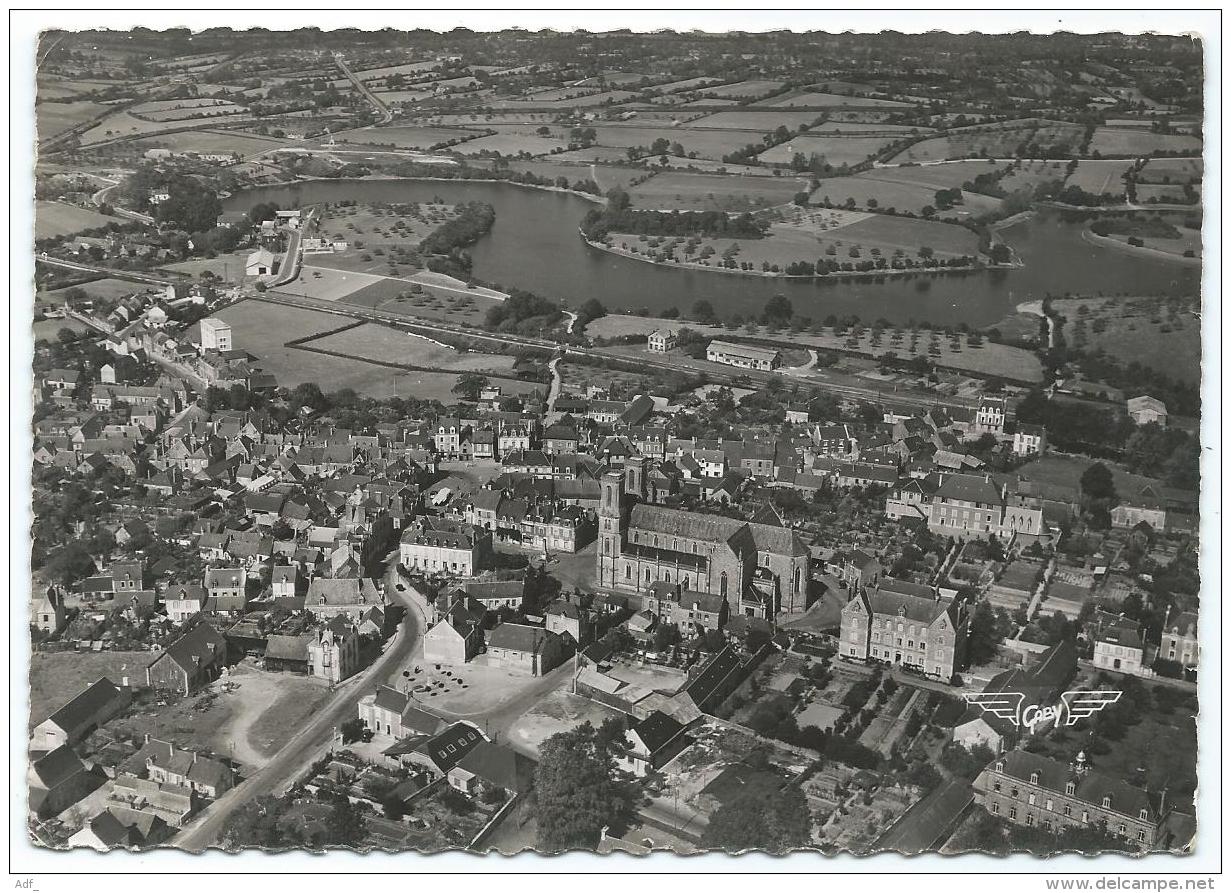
(634, 477)
(1080, 766)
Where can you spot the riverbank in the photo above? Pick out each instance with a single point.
(1146, 251)
(371, 178)
(818, 277)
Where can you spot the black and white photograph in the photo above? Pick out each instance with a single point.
(630, 440)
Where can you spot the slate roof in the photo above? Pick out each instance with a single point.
(969, 488)
(1092, 786)
(287, 647)
(657, 730)
(86, 705)
(499, 766)
(519, 637)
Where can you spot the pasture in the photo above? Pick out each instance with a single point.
(384, 344)
(1135, 143)
(404, 137)
(1099, 177)
(813, 99)
(902, 195)
(684, 191)
(890, 234)
(834, 150)
(759, 121)
(1028, 174)
(510, 144)
(1146, 330)
(1171, 170)
(1148, 193)
(712, 144)
(60, 219)
(936, 176)
(213, 142)
(53, 118)
(743, 89)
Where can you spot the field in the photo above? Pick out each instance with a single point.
(1169, 194)
(99, 288)
(1033, 173)
(686, 191)
(59, 219)
(1066, 471)
(743, 89)
(1171, 170)
(186, 109)
(938, 176)
(213, 142)
(878, 192)
(859, 128)
(834, 150)
(828, 100)
(123, 124)
(388, 345)
(1121, 141)
(1141, 329)
(56, 117)
(510, 144)
(1099, 177)
(227, 267)
(759, 121)
(712, 144)
(404, 137)
(990, 141)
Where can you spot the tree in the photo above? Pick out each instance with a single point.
(577, 793)
(983, 640)
(778, 309)
(352, 730)
(470, 385)
(1098, 483)
(761, 819)
(70, 563)
(703, 311)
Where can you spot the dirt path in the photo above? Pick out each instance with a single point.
(250, 699)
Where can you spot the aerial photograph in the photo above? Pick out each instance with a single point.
(643, 442)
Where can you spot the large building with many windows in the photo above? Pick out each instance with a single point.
(905, 624)
(1039, 792)
(641, 544)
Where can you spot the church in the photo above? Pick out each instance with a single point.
(760, 569)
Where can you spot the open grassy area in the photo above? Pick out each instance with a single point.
(939, 176)
(510, 144)
(214, 142)
(99, 288)
(52, 118)
(56, 677)
(712, 144)
(759, 121)
(835, 150)
(819, 99)
(1125, 141)
(908, 234)
(407, 137)
(388, 345)
(60, 219)
(1066, 471)
(1099, 177)
(1162, 336)
(890, 190)
(706, 192)
(1171, 170)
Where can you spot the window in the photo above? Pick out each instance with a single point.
(1030, 819)
(1068, 811)
(1013, 792)
(628, 572)
(1000, 765)
(1050, 806)
(1012, 812)
(1144, 815)
(647, 575)
(1031, 799)
(1107, 802)
(722, 583)
(995, 809)
(996, 786)
(1069, 788)
(1034, 778)
(1141, 834)
(1085, 816)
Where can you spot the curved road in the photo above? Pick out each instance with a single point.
(307, 746)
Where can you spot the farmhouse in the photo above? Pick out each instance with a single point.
(191, 662)
(662, 340)
(100, 701)
(1146, 409)
(743, 356)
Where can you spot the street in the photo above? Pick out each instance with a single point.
(305, 747)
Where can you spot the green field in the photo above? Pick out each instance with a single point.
(829, 100)
(1144, 330)
(758, 121)
(938, 176)
(686, 191)
(56, 117)
(1099, 177)
(712, 144)
(743, 89)
(59, 219)
(1171, 170)
(58, 677)
(404, 137)
(510, 144)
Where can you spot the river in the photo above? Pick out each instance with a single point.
(534, 245)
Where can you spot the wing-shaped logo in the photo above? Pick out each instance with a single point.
(1005, 704)
(1081, 704)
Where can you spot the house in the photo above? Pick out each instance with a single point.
(1037, 791)
(565, 618)
(689, 610)
(432, 544)
(58, 779)
(1118, 647)
(973, 506)
(651, 743)
(72, 722)
(388, 711)
(183, 601)
(284, 581)
(1179, 639)
(226, 589)
(191, 662)
(117, 827)
(1029, 440)
(458, 636)
(662, 340)
(743, 356)
(333, 651)
(441, 752)
(990, 416)
(905, 625)
(492, 767)
(47, 611)
(350, 597)
(165, 763)
(1145, 410)
(531, 649)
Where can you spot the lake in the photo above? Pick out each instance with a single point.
(534, 245)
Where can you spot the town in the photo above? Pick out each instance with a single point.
(339, 541)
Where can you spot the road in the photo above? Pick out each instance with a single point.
(299, 753)
(385, 114)
(293, 259)
(128, 275)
